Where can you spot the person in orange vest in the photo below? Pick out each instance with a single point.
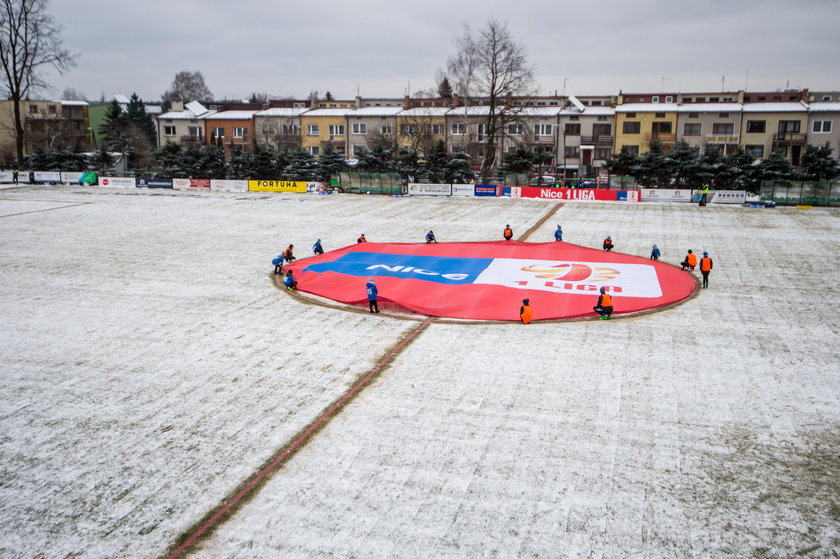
(604, 306)
(706, 267)
(361, 239)
(608, 244)
(507, 233)
(288, 254)
(690, 261)
(525, 312)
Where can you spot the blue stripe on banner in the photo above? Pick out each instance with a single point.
(438, 269)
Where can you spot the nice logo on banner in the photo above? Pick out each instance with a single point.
(276, 186)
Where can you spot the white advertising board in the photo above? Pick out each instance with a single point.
(7, 176)
(181, 184)
(729, 197)
(117, 182)
(417, 189)
(53, 177)
(463, 190)
(226, 185)
(665, 195)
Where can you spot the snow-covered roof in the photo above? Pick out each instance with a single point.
(825, 107)
(233, 115)
(153, 109)
(185, 115)
(534, 111)
(282, 111)
(775, 107)
(375, 111)
(709, 108)
(328, 112)
(71, 103)
(647, 108)
(472, 110)
(425, 111)
(195, 107)
(120, 98)
(598, 111)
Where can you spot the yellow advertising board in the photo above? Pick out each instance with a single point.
(277, 186)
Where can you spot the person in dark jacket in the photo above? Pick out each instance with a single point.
(604, 306)
(289, 254)
(706, 265)
(372, 295)
(655, 253)
(317, 248)
(430, 237)
(361, 239)
(558, 234)
(608, 244)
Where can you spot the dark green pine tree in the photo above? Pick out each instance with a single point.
(169, 161)
(742, 171)
(407, 163)
(713, 169)
(213, 162)
(458, 169)
(238, 164)
(437, 162)
(520, 160)
(623, 163)
(114, 127)
(330, 163)
(137, 116)
(263, 164)
(102, 161)
(376, 160)
(328, 96)
(775, 167)
(684, 158)
(445, 88)
(817, 163)
(300, 165)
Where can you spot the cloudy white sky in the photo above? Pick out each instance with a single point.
(384, 48)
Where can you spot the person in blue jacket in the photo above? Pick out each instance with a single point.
(655, 253)
(278, 264)
(317, 248)
(558, 234)
(430, 237)
(372, 293)
(289, 281)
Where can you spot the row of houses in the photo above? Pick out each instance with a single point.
(582, 132)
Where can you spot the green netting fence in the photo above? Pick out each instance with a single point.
(793, 193)
(373, 183)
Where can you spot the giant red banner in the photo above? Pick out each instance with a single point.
(488, 280)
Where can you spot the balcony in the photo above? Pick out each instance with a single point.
(190, 139)
(661, 138)
(596, 140)
(722, 138)
(790, 138)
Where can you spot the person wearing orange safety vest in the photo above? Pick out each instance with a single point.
(525, 313)
(288, 254)
(706, 265)
(604, 306)
(361, 239)
(507, 233)
(690, 261)
(608, 244)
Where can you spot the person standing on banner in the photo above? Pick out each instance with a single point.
(525, 313)
(507, 233)
(608, 244)
(689, 262)
(317, 248)
(558, 234)
(604, 306)
(372, 295)
(706, 265)
(655, 253)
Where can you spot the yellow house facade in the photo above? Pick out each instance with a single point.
(421, 127)
(320, 127)
(639, 124)
(767, 127)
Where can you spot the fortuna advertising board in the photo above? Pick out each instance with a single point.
(277, 186)
(117, 182)
(487, 281)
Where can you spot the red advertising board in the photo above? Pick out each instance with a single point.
(551, 193)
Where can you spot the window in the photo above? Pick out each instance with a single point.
(312, 130)
(777, 98)
(359, 128)
(602, 117)
(602, 153)
(291, 129)
(727, 99)
(693, 115)
(700, 100)
(314, 150)
(336, 130)
(631, 115)
(409, 129)
(692, 129)
(658, 128)
(436, 129)
(669, 98)
(239, 132)
(723, 128)
(542, 130)
(168, 130)
(218, 132)
(723, 115)
(826, 98)
(573, 129)
(595, 103)
(195, 131)
(516, 129)
(822, 126)
(482, 131)
(762, 98)
(574, 117)
(632, 127)
(572, 152)
(51, 109)
(632, 150)
(756, 126)
(33, 109)
(654, 99)
(755, 151)
(714, 99)
(459, 128)
(386, 128)
(789, 126)
(601, 130)
(659, 115)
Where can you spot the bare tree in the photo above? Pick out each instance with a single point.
(72, 94)
(490, 65)
(186, 87)
(30, 42)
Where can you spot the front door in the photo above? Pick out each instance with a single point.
(586, 156)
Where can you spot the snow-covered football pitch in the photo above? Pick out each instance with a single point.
(150, 369)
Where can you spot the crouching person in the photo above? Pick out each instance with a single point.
(604, 306)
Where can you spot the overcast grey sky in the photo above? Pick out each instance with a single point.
(384, 47)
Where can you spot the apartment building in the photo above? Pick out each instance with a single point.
(230, 129)
(183, 124)
(824, 124)
(777, 125)
(320, 127)
(279, 126)
(421, 127)
(710, 124)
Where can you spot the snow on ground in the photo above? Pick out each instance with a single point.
(148, 366)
